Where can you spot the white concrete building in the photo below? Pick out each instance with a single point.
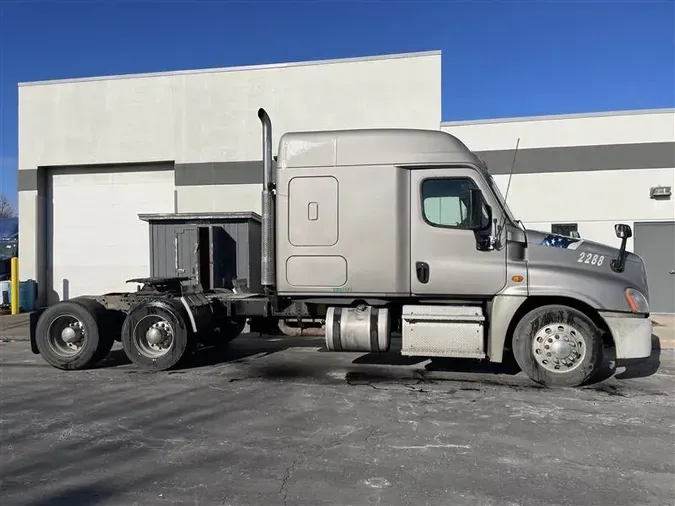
(95, 153)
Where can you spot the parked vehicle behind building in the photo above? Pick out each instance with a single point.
(9, 244)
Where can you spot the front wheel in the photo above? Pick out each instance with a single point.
(557, 345)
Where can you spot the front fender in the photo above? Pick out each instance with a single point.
(600, 290)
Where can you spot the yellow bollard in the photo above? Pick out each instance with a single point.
(14, 280)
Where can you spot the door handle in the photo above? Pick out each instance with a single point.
(672, 271)
(422, 269)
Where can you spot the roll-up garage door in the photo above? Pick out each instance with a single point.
(95, 240)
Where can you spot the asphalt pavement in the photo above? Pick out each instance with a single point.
(281, 422)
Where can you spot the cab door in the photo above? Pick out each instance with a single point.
(445, 256)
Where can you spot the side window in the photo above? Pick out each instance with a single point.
(445, 201)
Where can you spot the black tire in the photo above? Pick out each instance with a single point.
(226, 329)
(222, 336)
(231, 330)
(88, 315)
(106, 329)
(135, 343)
(573, 330)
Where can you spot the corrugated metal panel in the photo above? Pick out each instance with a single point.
(234, 230)
(238, 253)
(186, 241)
(165, 238)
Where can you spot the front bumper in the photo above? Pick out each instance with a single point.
(632, 334)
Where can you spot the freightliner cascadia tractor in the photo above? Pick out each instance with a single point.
(371, 232)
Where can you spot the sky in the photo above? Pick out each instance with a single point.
(500, 58)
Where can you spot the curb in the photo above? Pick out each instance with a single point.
(667, 344)
(659, 333)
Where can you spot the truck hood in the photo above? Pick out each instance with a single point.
(565, 266)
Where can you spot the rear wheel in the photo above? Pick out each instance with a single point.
(68, 334)
(232, 329)
(557, 345)
(225, 327)
(156, 335)
(222, 335)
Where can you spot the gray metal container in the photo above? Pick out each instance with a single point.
(214, 248)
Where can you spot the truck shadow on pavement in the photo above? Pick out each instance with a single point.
(250, 350)
(626, 369)
(247, 347)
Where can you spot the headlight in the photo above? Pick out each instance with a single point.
(636, 301)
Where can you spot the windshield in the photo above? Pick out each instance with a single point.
(500, 197)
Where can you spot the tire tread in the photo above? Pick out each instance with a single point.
(532, 321)
(183, 338)
(96, 346)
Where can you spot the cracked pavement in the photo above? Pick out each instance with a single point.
(279, 422)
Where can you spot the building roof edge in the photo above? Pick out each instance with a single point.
(240, 68)
(548, 117)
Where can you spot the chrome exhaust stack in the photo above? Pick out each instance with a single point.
(267, 273)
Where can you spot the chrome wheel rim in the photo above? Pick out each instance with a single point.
(66, 335)
(153, 336)
(559, 347)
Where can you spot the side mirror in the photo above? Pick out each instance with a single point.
(623, 231)
(480, 217)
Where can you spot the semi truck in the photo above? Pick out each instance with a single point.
(367, 233)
